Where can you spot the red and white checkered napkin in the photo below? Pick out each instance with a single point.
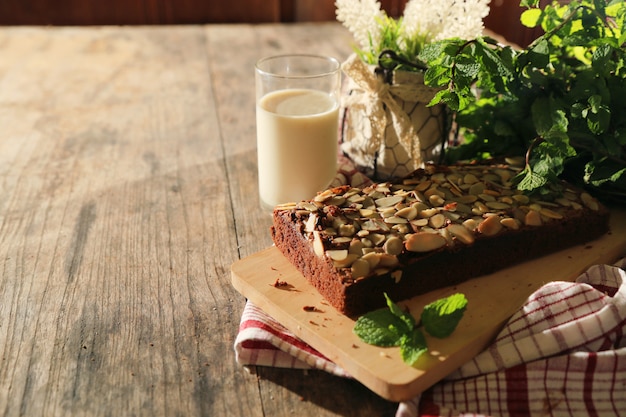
(562, 354)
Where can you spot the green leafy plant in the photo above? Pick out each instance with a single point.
(393, 327)
(560, 103)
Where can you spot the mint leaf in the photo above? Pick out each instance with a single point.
(446, 97)
(393, 327)
(531, 18)
(437, 76)
(529, 180)
(441, 317)
(607, 172)
(413, 346)
(384, 327)
(408, 319)
(381, 328)
(548, 116)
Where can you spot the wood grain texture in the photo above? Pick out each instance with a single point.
(113, 260)
(127, 190)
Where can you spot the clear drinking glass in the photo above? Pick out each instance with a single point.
(297, 119)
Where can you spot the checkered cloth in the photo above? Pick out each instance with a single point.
(562, 354)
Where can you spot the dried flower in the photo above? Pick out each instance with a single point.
(362, 18)
(423, 21)
(445, 19)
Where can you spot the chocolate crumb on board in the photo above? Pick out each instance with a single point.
(283, 285)
(312, 309)
(278, 283)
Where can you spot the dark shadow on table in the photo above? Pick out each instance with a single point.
(343, 396)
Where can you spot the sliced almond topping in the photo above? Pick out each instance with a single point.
(424, 242)
(345, 263)
(423, 186)
(393, 246)
(368, 212)
(486, 197)
(433, 191)
(470, 179)
(428, 213)
(318, 245)
(324, 195)
(360, 268)
(367, 229)
(389, 201)
(461, 232)
(563, 201)
(476, 188)
(436, 200)
(373, 258)
(510, 223)
(521, 198)
(337, 254)
(491, 226)
(386, 260)
(470, 224)
(286, 206)
(419, 222)
(589, 201)
(551, 214)
(396, 220)
(408, 213)
(377, 238)
(437, 221)
(467, 199)
(533, 218)
(311, 222)
(497, 205)
(347, 230)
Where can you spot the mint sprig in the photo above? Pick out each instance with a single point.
(393, 327)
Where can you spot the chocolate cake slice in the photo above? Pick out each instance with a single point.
(438, 227)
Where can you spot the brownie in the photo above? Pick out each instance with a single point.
(438, 227)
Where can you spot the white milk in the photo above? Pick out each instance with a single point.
(296, 144)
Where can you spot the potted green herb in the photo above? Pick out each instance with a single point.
(560, 103)
(389, 129)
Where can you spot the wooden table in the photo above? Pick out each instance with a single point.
(127, 189)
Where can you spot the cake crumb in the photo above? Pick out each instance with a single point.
(283, 285)
(312, 309)
(278, 283)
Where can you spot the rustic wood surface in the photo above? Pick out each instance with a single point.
(127, 190)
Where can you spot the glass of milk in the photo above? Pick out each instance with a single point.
(297, 119)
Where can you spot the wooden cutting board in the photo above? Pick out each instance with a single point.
(492, 299)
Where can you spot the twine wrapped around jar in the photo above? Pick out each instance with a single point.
(388, 131)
